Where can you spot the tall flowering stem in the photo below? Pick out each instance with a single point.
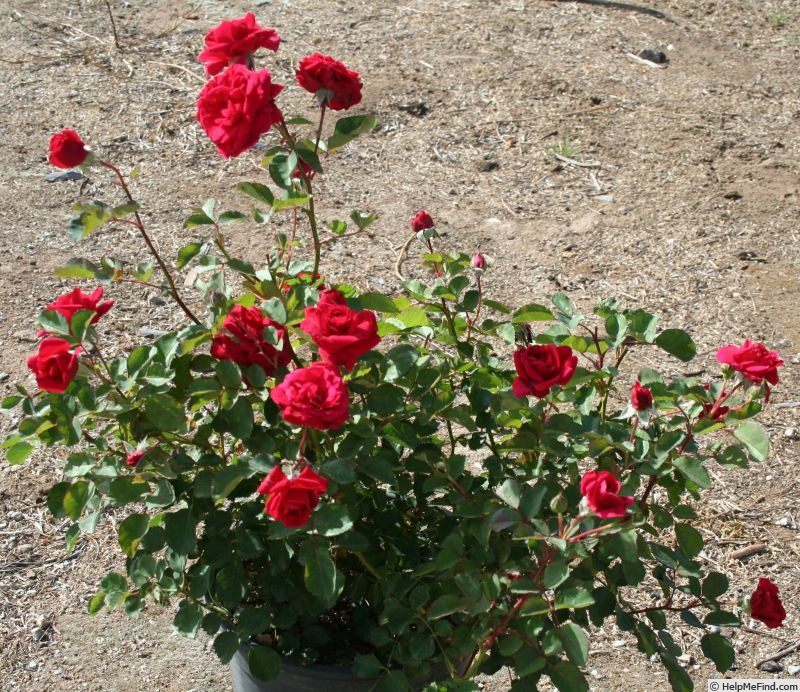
(140, 226)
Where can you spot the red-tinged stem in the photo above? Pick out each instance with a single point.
(497, 631)
(140, 225)
(474, 319)
(590, 532)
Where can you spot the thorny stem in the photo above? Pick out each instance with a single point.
(474, 318)
(450, 323)
(140, 225)
(319, 129)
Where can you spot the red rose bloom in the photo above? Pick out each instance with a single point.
(753, 360)
(76, 300)
(67, 149)
(134, 458)
(340, 87)
(541, 367)
(641, 397)
(342, 334)
(421, 222)
(291, 500)
(233, 41)
(247, 345)
(236, 107)
(601, 489)
(314, 396)
(765, 604)
(54, 365)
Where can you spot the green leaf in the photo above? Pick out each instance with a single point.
(290, 201)
(722, 618)
(258, 191)
(574, 597)
(53, 321)
(366, 666)
(689, 539)
(90, 217)
(719, 650)
(226, 480)
(693, 470)
(226, 644)
(320, 574)
(187, 253)
(555, 574)
(180, 530)
(76, 497)
(332, 520)
(198, 219)
(349, 128)
(188, 618)
(715, 584)
(18, 452)
(754, 437)
(575, 643)
(677, 343)
(378, 302)
(264, 662)
(509, 493)
(96, 603)
(77, 269)
(567, 677)
(445, 605)
(130, 532)
(164, 413)
(363, 219)
(531, 313)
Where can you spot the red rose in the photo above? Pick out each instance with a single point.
(765, 604)
(421, 222)
(233, 41)
(332, 83)
(753, 360)
(236, 107)
(541, 367)
(601, 489)
(641, 397)
(291, 500)
(134, 458)
(314, 396)
(54, 365)
(247, 347)
(342, 334)
(76, 300)
(67, 149)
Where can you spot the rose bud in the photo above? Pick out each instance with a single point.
(601, 490)
(134, 458)
(478, 263)
(421, 222)
(641, 397)
(67, 149)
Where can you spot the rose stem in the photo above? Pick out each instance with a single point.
(151, 247)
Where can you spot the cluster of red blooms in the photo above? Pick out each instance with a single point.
(237, 105)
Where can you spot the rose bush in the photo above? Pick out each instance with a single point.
(428, 480)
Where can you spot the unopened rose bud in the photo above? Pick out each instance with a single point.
(478, 263)
(421, 222)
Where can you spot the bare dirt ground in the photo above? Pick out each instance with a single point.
(691, 213)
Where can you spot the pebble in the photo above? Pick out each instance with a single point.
(791, 433)
(25, 335)
(3, 376)
(151, 331)
(38, 634)
(157, 300)
(15, 516)
(714, 629)
(32, 665)
(771, 667)
(793, 670)
(618, 643)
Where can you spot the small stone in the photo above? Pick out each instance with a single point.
(791, 433)
(157, 300)
(656, 56)
(151, 332)
(714, 629)
(3, 376)
(783, 521)
(16, 516)
(793, 670)
(686, 660)
(25, 335)
(38, 634)
(618, 643)
(771, 667)
(32, 665)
